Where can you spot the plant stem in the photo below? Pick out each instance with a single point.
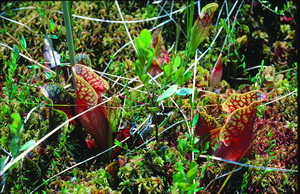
(68, 26)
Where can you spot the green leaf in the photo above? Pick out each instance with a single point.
(17, 122)
(191, 174)
(195, 120)
(180, 76)
(168, 69)
(27, 145)
(14, 146)
(182, 146)
(16, 52)
(179, 72)
(149, 60)
(200, 29)
(177, 61)
(33, 66)
(53, 36)
(145, 37)
(169, 92)
(184, 91)
(139, 44)
(180, 80)
(141, 49)
(138, 67)
(51, 24)
(23, 43)
(188, 75)
(145, 78)
(40, 12)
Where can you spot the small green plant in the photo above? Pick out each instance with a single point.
(269, 6)
(15, 145)
(11, 89)
(185, 177)
(162, 93)
(185, 181)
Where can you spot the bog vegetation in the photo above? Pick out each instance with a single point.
(148, 97)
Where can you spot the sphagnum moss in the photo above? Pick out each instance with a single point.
(154, 164)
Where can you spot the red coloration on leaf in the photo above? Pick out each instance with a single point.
(113, 168)
(123, 134)
(95, 121)
(91, 144)
(205, 124)
(88, 94)
(200, 29)
(216, 73)
(96, 82)
(236, 101)
(236, 135)
(207, 128)
(287, 19)
(160, 53)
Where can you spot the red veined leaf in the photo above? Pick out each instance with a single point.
(95, 122)
(205, 124)
(214, 135)
(239, 122)
(235, 101)
(237, 133)
(160, 53)
(200, 29)
(208, 129)
(95, 81)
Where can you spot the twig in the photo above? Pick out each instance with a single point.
(247, 165)
(117, 4)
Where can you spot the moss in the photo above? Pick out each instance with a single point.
(150, 168)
